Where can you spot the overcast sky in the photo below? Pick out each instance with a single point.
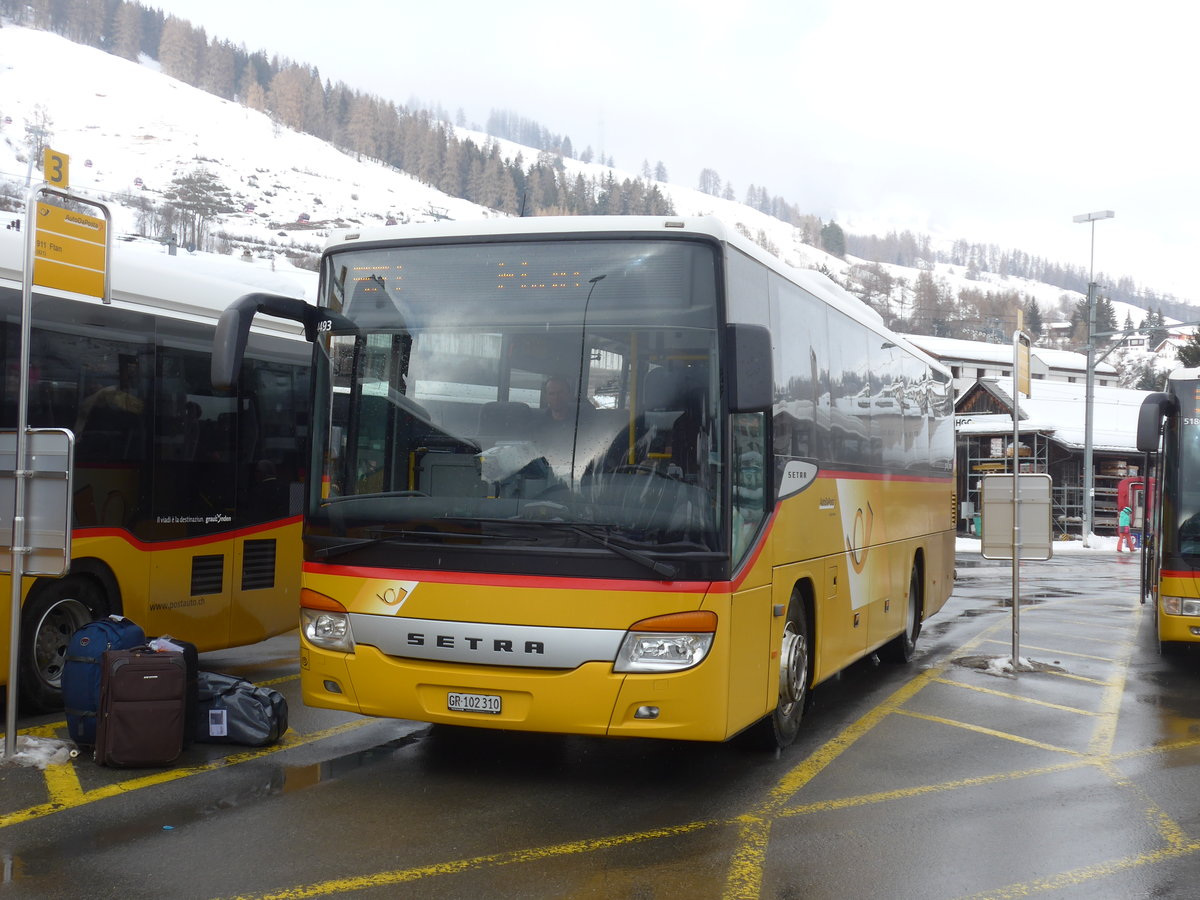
(993, 122)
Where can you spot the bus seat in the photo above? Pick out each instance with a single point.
(504, 420)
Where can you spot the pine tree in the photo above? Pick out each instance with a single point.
(127, 39)
(178, 51)
(286, 97)
(1156, 331)
(1033, 319)
(833, 240)
(710, 182)
(1106, 318)
(1189, 352)
(197, 197)
(220, 70)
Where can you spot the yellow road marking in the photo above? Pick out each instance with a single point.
(745, 878)
(534, 854)
(927, 789)
(1099, 682)
(990, 732)
(1110, 704)
(65, 792)
(1057, 652)
(1076, 877)
(754, 828)
(1006, 695)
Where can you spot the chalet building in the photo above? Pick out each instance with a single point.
(969, 361)
(1051, 440)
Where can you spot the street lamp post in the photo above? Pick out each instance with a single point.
(1088, 474)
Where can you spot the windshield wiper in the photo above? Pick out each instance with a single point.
(666, 570)
(403, 534)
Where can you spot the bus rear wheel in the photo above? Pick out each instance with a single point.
(50, 616)
(779, 729)
(902, 647)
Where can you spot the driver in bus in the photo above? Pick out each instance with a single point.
(562, 418)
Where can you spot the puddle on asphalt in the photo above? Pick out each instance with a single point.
(296, 778)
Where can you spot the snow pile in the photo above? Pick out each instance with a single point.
(39, 752)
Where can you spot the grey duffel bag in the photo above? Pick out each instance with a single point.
(234, 710)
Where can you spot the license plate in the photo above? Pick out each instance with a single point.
(474, 703)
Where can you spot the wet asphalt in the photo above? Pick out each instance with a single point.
(949, 777)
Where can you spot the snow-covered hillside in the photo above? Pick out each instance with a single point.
(129, 130)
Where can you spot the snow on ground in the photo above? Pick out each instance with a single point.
(1098, 543)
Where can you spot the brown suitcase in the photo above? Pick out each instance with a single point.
(143, 698)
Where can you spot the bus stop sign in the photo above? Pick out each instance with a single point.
(1036, 530)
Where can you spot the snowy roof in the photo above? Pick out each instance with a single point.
(1001, 354)
(1057, 408)
(193, 285)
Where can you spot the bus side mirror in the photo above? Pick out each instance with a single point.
(233, 329)
(1155, 408)
(748, 357)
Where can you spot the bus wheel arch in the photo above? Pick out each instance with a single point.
(52, 611)
(902, 647)
(795, 668)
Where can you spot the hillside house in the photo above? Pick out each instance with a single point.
(969, 361)
(1051, 441)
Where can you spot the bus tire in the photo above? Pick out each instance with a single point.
(901, 648)
(779, 729)
(52, 613)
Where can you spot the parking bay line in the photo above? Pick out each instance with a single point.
(745, 873)
(1006, 695)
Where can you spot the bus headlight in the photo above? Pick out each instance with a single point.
(669, 643)
(1181, 606)
(325, 622)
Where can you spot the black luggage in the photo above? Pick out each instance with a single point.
(234, 710)
(81, 670)
(191, 659)
(142, 707)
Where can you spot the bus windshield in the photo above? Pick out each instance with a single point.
(1181, 490)
(554, 395)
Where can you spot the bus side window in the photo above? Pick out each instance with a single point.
(749, 496)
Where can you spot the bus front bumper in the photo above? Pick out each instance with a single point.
(589, 700)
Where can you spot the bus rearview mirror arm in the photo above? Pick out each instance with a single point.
(233, 329)
(1155, 408)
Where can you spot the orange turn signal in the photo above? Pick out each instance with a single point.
(700, 620)
(310, 599)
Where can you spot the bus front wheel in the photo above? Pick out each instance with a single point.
(779, 729)
(51, 615)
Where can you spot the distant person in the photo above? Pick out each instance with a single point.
(559, 403)
(1124, 519)
(562, 417)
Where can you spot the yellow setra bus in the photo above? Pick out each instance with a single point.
(607, 476)
(1169, 429)
(186, 501)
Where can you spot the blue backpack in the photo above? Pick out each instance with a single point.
(81, 670)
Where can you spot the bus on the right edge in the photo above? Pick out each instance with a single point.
(1169, 429)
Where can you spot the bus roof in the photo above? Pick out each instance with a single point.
(816, 283)
(187, 285)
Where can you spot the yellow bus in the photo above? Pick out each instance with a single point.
(607, 476)
(186, 501)
(1168, 502)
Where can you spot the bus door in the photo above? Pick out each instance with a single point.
(194, 493)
